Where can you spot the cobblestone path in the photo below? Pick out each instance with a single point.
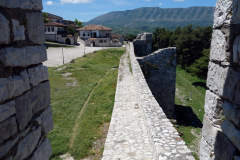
(127, 137)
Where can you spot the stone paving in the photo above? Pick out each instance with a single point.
(127, 136)
(139, 128)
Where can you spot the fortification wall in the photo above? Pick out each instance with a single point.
(221, 133)
(164, 137)
(143, 44)
(159, 69)
(25, 111)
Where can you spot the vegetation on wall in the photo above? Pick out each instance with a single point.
(192, 46)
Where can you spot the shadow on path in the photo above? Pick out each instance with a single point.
(186, 117)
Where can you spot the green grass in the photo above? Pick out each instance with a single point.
(67, 102)
(189, 111)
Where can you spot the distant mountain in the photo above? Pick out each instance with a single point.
(152, 17)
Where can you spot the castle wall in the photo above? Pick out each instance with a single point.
(25, 111)
(164, 137)
(143, 44)
(221, 133)
(159, 69)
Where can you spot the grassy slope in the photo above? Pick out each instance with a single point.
(67, 101)
(190, 111)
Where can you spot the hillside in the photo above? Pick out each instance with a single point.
(156, 17)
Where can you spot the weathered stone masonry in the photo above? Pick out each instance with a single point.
(221, 133)
(25, 111)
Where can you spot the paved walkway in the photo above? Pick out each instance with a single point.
(127, 137)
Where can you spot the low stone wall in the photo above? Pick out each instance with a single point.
(159, 69)
(60, 39)
(164, 137)
(25, 111)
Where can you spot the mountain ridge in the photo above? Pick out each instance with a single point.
(156, 17)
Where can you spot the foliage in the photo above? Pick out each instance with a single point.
(71, 31)
(78, 23)
(190, 45)
(67, 101)
(200, 66)
(45, 17)
(129, 37)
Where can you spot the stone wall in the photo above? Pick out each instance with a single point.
(221, 133)
(159, 69)
(164, 137)
(143, 44)
(25, 111)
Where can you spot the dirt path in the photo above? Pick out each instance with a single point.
(81, 112)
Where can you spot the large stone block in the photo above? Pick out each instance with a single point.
(6, 110)
(13, 86)
(213, 107)
(40, 97)
(23, 110)
(43, 152)
(24, 4)
(5, 147)
(23, 57)
(222, 13)
(232, 132)
(18, 30)
(35, 27)
(236, 50)
(28, 144)
(4, 30)
(210, 131)
(218, 47)
(38, 74)
(224, 81)
(224, 148)
(8, 128)
(47, 120)
(232, 112)
(206, 152)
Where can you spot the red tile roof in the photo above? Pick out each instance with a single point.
(116, 35)
(55, 24)
(94, 27)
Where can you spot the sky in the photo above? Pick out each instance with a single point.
(85, 10)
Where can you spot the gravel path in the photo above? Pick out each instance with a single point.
(55, 57)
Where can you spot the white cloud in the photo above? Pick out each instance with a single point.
(179, 0)
(49, 3)
(160, 4)
(75, 1)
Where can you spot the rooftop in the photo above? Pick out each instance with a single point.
(54, 24)
(94, 27)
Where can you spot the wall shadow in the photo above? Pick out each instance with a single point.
(200, 84)
(186, 117)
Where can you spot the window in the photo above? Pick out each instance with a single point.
(52, 29)
(100, 41)
(83, 34)
(48, 29)
(88, 34)
(45, 29)
(107, 34)
(105, 41)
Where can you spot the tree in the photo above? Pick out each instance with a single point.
(78, 23)
(71, 31)
(45, 17)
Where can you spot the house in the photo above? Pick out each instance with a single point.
(117, 37)
(57, 32)
(97, 35)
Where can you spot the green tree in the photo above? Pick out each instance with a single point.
(78, 23)
(45, 17)
(71, 31)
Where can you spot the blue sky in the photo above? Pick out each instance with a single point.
(86, 10)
